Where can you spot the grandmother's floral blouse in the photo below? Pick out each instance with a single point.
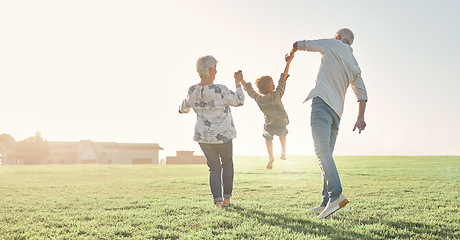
(211, 103)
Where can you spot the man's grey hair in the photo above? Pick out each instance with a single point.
(346, 35)
(203, 64)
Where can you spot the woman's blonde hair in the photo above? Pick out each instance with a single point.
(203, 64)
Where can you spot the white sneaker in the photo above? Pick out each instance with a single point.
(333, 206)
(316, 209)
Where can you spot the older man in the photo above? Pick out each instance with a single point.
(339, 69)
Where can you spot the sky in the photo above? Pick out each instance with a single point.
(116, 71)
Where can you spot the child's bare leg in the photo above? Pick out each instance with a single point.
(271, 159)
(283, 147)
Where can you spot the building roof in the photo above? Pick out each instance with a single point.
(107, 145)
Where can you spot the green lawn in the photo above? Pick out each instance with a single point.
(390, 198)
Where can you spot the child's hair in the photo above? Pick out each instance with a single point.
(263, 83)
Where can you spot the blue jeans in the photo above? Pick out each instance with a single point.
(219, 158)
(325, 127)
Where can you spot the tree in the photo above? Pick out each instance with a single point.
(33, 149)
(7, 140)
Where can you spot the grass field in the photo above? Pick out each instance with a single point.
(390, 198)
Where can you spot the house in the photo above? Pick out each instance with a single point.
(89, 152)
(8, 155)
(185, 157)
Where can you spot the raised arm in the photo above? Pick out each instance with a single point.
(288, 59)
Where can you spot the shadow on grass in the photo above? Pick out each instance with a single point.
(299, 225)
(394, 228)
(264, 173)
(411, 230)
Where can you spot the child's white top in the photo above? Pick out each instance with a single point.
(339, 69)
(211, 103)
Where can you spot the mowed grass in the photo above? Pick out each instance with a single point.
(390, 198)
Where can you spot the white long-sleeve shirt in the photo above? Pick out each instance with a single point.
(211, 103)
(339, 69)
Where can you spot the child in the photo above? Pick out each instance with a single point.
(269, 101)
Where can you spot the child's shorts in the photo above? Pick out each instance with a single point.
(270, 131)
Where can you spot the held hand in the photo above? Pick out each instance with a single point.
(238, 76)
(288, 57)
(360, 124)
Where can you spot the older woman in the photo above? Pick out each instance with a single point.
(214, 129)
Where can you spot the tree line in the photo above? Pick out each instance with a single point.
(31, 150)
